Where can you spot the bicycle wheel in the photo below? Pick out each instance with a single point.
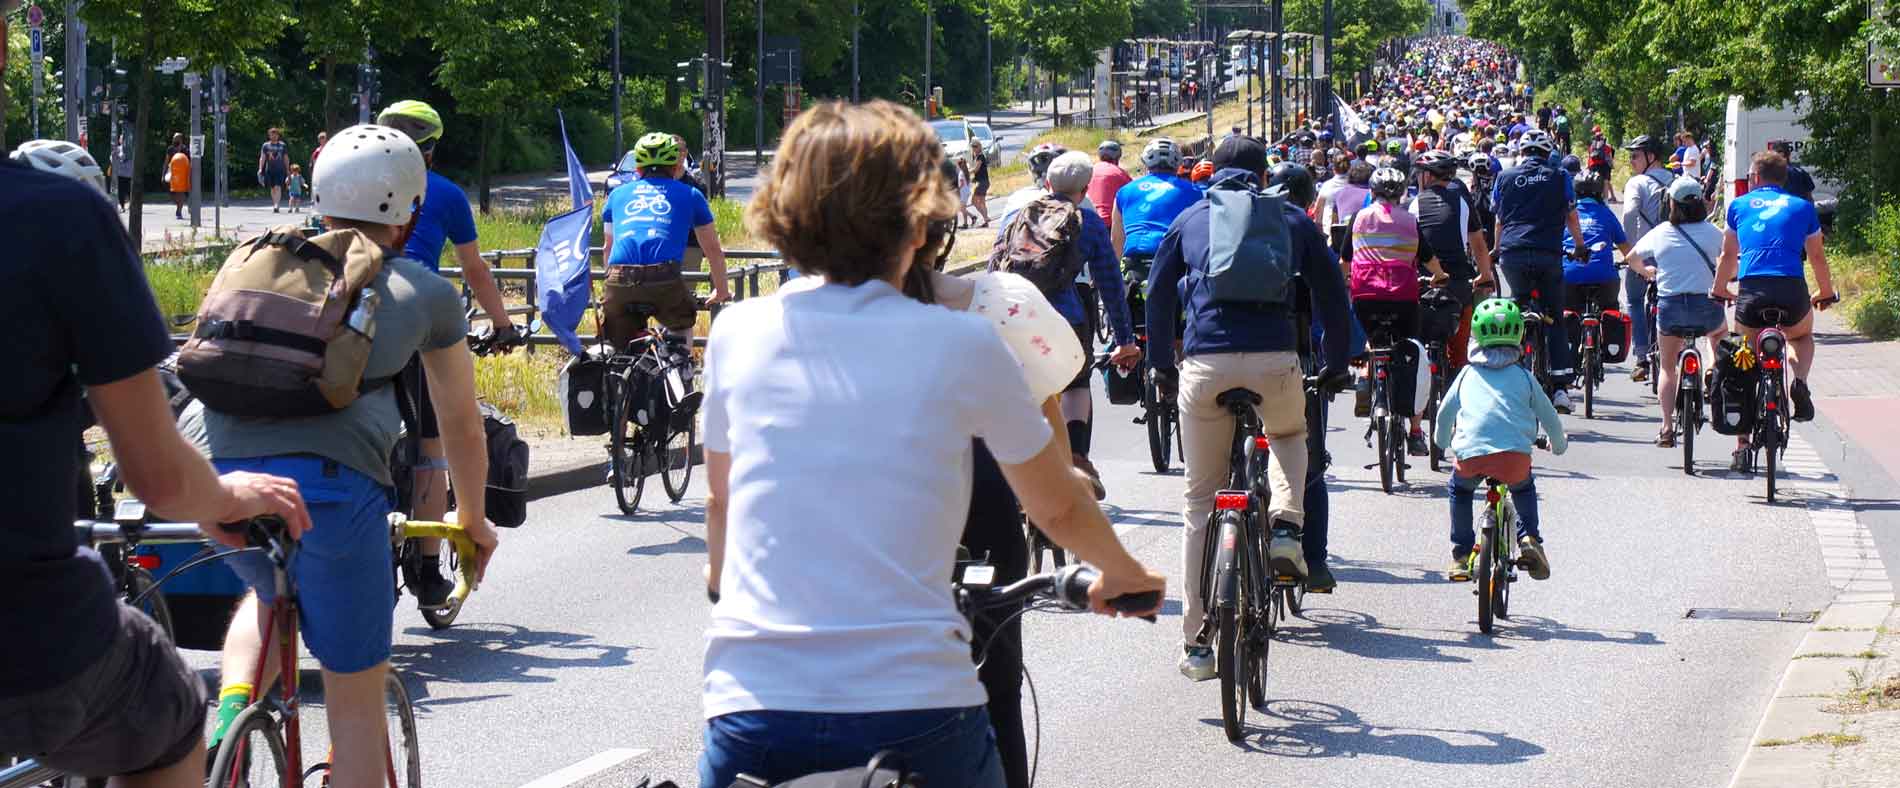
(626, 453)
(1686, 425)
(405, 755)
(138, 582)
(1401, 452)
(1770, 449)
(1590, 384)
(1384, 437)
(676, 460)
(252, 753)
(1487, 574)
(441, 617)
(1159, 426)
(1229, 664)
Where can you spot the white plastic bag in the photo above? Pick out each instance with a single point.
(1039, 336)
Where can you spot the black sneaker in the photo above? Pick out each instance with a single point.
(1319, 579)
(1803, 401)
(1415, 444)
(424, 578)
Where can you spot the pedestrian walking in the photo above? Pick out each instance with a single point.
(122, 169)
(323, 138)
(295, 186)
(273, 166)
(178, 167)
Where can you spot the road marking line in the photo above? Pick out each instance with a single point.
(596, 764)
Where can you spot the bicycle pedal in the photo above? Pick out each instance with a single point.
(1140, 420)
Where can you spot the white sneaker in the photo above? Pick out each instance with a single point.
(1197, 663)
(1285, 555)
(1561, 401)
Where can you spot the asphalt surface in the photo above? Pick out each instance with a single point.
(584, 645)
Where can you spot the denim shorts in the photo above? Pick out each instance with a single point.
(344, 570)
(946, 746)
(1688, 315)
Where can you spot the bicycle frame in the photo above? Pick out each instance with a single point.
(282, 623)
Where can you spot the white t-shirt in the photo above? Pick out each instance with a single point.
(1679, 269)
(1692, 161)
(849, 414)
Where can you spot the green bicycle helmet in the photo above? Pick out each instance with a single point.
(656, 149)
(1497, 322)
(416, 119)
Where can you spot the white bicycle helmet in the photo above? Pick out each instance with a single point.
(1388, 182)
(1538, 139)
(369, 173)
(62, 158)
(1162, 154)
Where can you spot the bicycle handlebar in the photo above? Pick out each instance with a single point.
(97, 532)
(1068, 587)
(401, 528)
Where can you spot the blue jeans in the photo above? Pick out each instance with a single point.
(1526, 271)
(1463, 491)
(945, 746)
(1634, 286)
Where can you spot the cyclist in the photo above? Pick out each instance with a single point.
(1106, 179)
(92, 686)
(1336, 215)
(1680, 259)
(341, 460)
(1382, 276)
(445, 216)
(800, 674)
(1535, 202)
(1144, 208)
(1038, 163)
(1450, 227)
(1603, 237)
(1645, 200)
(1768, 231)
(1226, 347)
(1489, 420)
(645, 224)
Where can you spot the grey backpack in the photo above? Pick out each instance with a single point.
(1249, 247)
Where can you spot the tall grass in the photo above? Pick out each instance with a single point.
(1869, 282)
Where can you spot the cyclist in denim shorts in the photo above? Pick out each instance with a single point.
(1679, 256)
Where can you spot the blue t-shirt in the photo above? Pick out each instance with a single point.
(1532, 201)
(445, 215)
(651, 218)
(1602, 231)
(1148, 206)
(1773, 227)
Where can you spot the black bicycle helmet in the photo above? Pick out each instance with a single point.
(1591, 185)
(1649, 145)
(1293, 180)
(1437, 162)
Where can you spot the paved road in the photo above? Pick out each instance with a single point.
(586, 641)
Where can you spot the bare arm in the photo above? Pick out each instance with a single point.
(1725, 270)
(1817, 257)
(171, 477)
(451, 373)
(708, 236)
(1117, 235)
(718, 479)
(481, 281)
(1482, 254)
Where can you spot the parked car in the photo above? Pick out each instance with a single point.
(955, 134)
(622, 174)
(996, 149)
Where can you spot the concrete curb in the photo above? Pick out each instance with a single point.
(1838, 652)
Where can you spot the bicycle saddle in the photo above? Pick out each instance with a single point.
(1235, 396)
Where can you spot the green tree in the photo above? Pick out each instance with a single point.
(205, 31)
(1161, 17)
(501, 59)
(1065, 36)
(1359, 27)
(336, 32)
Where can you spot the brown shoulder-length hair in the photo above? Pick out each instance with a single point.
(849, 186)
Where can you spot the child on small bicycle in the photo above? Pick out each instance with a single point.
(1502, 407)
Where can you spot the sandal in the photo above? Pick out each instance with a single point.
(1666, 439)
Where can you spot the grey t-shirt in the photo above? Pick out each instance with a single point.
(420, 312)
(1679, 268)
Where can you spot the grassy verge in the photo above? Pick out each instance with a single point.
(1869, 281)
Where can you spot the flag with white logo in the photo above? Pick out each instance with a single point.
(561, 274)
(577, 183)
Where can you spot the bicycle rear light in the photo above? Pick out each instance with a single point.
(145, 562)
(1230, 501)
(1771, 363)
(1260, 443)
(1692, 364)
(1491, 496)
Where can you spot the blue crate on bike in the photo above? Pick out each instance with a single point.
(201, 599)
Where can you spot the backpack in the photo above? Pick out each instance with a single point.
(1043, 243)
(1249, 247)
(284, 331)
(507, 487)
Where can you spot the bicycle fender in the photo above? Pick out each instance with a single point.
(1227, 556)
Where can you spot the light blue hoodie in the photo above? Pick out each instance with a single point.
(1501, 405)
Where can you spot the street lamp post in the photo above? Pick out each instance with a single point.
(857, 20)
(758, 99)
(619, 144)
(989, 71)
(1326, 67)
(928, 12)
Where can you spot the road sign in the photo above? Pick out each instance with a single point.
(197, 146)
(173, 65)
(35, 17)
(38, 42)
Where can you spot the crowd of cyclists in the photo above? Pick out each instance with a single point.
(873, 366)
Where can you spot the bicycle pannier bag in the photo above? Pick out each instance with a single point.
(1249, 255)
(1732, 392)
(507, 487)
(1124, 388)
(1616, 336)
(582, 386)
(286, 328)
(1043, 243)
(1438, 314)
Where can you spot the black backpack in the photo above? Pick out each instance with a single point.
(507, 470)
(1043, 243)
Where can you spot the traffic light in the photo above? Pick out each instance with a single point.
(369, 80)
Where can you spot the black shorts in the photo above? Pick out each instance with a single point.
(1759, 293)
(1606, 295)
(416, 383)
(1082, 332)
(139, 707)
(275, 177)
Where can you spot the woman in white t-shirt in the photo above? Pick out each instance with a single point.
(1680, 257)
(839, 416)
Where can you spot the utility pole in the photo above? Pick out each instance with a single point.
(857, 21)
(195, 146)
(219, 143)
(928, 13)
(1326, 69)
(758, 99)
(989, 69)
(619, 144)
(75, 87)
(1276, 51)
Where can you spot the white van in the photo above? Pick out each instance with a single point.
(1750, 130)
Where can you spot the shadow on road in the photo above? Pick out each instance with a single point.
(1382, 572)
(695, 513)
(1361, 634)
(1598, 437)
(485, 653)
(1145, 517)
(1310, 729)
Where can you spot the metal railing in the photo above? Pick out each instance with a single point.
(518, 265)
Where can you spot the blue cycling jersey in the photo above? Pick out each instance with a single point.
(651, 219)
(1148, 206)
(1602, 232)
(445, 215)
(1773, 227)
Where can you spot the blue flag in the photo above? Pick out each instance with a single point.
(561, 274)
(576, 174)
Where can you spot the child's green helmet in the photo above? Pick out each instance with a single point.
(1497, 322)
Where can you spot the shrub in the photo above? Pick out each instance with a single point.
(1876, 312)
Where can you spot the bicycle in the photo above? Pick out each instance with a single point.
(1161, 415)
(652, 408)
(1774, 419)
(1498, 561)
(1246, 594)
(1590, 346)
(1536, 344)
(265, 743)
(1689, 400)
(1652, 300)
(1385, 428)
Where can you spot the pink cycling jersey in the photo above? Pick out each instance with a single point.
(1385, 253)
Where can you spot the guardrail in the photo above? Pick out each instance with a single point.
(518, 265)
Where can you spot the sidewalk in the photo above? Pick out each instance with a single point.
(1835, 718)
